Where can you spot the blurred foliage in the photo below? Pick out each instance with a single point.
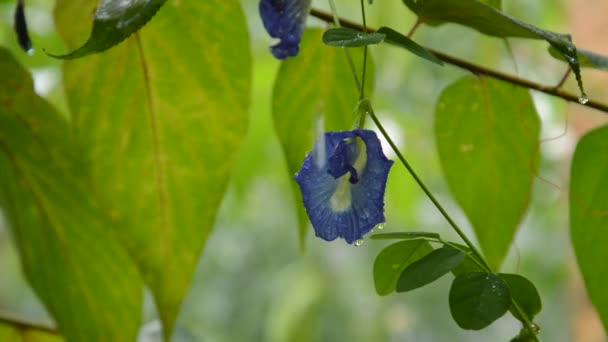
(252, 282)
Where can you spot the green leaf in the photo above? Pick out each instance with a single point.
(524, 293)
(395, 38)
(160, 119)
(405, 236)
(477, 299)
(494, 3)
(113, 22)
(392, 260)
(586, 58)
(487, 135)
(493, 22)
(589, 215)
(13, 333)
(314, 87)
(429, 268)
(347, 37)
(69, 254)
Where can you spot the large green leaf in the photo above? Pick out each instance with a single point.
(392, 260)
(477, 299)
(160, 119)
(68, 251)
(315, 86)
(487, 135)
(491, 21)
(113, 22)
(589, 215)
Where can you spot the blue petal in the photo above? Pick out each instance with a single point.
(336, 205)
(285, 19)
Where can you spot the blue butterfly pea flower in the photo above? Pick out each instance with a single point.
(342, 181)
(285, 19)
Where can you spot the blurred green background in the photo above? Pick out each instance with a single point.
(254, 284)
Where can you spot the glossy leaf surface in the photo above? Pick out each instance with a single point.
(113, 22)
(477, 299)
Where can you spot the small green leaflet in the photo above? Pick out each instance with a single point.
(477, 299)
(392, 260)
(493, 22)
(524, 293)
(429, 268)
(395, 38)
(347, 37)
(113, 22)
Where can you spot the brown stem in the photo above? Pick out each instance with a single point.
(479, 70)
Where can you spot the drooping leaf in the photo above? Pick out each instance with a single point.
(395, 38)
(487, 135)
(405, 236)
(392, 260)
(347, 37)
(586, 58)
(477, 299)
(429, 268)
(313, 92)
(68, 252)
(113, 22)
(589, 215)
(160, 119)
(524, 293)
(493, 22)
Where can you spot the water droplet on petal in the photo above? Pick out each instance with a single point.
(583, 99)
(359, 242)
(380, 226)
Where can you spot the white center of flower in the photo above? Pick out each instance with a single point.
(341, 200)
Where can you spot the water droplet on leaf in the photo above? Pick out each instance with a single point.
(380, 226)
(359, 242)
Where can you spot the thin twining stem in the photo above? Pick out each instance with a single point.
(529, 325)
(479, 70)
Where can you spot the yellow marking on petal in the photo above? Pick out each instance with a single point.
(361, 160)
(341, 199)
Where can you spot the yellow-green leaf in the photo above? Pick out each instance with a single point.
(69, 253)
(487, 135)
(160, 119)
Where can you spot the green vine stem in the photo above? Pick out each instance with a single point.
(477, 69)
(528, 324)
